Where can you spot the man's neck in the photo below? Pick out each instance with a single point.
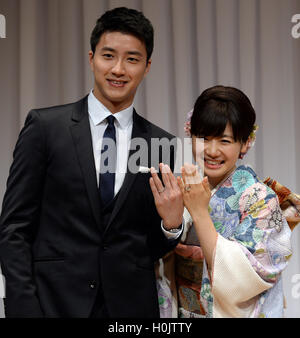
(113, 107)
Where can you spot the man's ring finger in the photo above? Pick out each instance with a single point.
(161, 191)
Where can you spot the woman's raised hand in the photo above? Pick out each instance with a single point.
(195, 191)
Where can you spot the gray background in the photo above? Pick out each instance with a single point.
(198, 43)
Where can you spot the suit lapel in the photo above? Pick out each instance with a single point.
(82, 138)
(139, 130)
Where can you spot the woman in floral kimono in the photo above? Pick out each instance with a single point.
(236, 242)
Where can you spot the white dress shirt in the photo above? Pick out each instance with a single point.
(123, 125)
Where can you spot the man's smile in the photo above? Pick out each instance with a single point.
(117, 84)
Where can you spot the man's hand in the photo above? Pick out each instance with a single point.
(167, 197)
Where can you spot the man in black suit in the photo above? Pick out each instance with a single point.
(76, 240)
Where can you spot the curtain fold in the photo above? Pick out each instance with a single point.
(198, 43)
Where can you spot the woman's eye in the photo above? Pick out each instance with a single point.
(226, 141)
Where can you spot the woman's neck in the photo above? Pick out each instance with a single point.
(214, 182)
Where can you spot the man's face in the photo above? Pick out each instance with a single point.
(119, 65)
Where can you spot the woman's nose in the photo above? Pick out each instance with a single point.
(211, 148)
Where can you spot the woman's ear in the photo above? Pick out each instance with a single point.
(244, 148)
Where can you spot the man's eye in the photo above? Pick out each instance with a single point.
(133, 60)
(108, 56)
(225, 141)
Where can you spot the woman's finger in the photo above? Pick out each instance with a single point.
(180, 184)
(206, 185)
(183, 174)
(190, 172)
(195, 175)
(190, 169)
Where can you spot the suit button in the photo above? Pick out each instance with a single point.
(93, 285)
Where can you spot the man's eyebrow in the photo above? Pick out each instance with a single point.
(132, 52)
(107, 49)
(135, 52)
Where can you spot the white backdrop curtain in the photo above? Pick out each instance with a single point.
(198, 43)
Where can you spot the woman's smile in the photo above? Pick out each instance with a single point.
(213, 164)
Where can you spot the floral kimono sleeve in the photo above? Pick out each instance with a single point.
(250, 261)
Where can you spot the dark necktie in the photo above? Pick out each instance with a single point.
(108, 162)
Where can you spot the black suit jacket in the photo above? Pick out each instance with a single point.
(54, 251)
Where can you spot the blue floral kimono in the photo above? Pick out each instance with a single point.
(252, 250)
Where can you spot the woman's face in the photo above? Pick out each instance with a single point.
(220, 155)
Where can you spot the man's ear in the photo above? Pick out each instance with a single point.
(148, 67)
(91, 60)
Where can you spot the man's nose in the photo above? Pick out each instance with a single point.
(119, 68)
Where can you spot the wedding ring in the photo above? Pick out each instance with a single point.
(161, 191)
(187, 188)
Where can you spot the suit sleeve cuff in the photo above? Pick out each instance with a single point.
(175, 233)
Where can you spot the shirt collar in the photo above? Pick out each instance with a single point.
(98, 112)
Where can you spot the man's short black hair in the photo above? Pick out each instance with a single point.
(127, 21)
(220, 105)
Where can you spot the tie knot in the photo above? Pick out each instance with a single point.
(110, 120)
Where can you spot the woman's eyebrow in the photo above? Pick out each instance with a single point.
(227, 136)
